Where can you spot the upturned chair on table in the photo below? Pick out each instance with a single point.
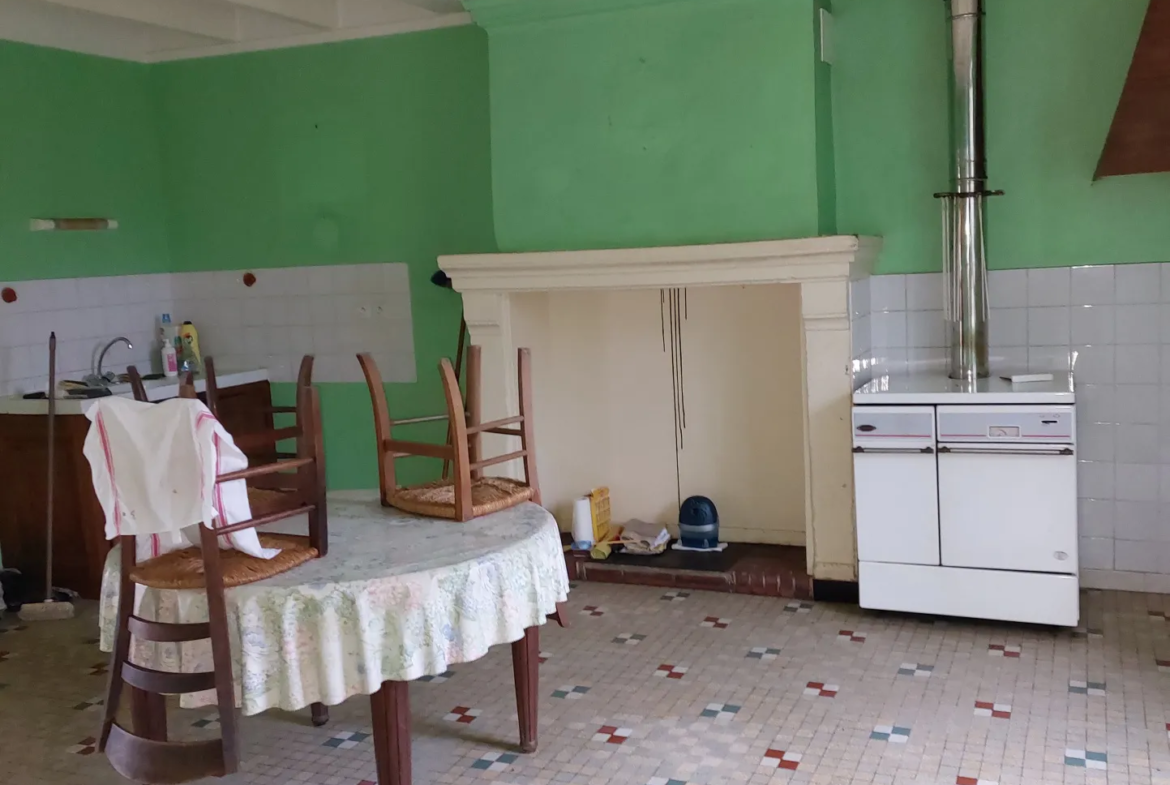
(467, 493)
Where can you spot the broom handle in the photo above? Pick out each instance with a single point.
(52, 449)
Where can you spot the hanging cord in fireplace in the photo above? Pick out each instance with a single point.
(673, 310)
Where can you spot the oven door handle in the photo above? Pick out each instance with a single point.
(894, 450)
(1004, 451)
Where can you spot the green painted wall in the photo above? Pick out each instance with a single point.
(367, 151)
(1055, 69)
(691, 121)
(823, 107)
(685, 121)
(77, 140)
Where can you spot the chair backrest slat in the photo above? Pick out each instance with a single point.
(305, 374)
(211, 391)
(187, 387)
(136, 385)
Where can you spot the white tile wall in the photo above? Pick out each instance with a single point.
(862, 326)
(85, 313)
(1110, 324)
(330, 311)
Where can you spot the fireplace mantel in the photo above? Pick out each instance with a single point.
(837, 258)
(821, 266)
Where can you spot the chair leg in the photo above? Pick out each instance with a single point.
(319, 523)
(320, 714)
(526, 671)
(457, 416)
(527, 428)
(474, 408)
(458, 370)
(221, 655)
(121, 639)
(390, 707)
(148, 710)
(382, 427)
(559, 615)
(312, 477)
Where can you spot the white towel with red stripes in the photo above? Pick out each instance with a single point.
(154, 468)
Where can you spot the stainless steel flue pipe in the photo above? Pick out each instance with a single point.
(964, 262)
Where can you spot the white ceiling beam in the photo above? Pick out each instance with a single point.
(325, 14)
(311, 39)
(205, 19)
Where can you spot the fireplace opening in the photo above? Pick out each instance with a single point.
(661, 394)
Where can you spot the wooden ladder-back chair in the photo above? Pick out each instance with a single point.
(467, 493)
(146, 755)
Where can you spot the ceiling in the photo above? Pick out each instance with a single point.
(157, 30)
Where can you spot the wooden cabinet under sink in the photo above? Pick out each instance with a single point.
(79, 544)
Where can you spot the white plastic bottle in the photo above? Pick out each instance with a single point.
(170, 358)
(168, 354)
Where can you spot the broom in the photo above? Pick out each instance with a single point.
(54, 606)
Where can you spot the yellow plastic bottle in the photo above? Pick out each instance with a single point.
(192, 359)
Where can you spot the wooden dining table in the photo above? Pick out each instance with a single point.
(397, 598)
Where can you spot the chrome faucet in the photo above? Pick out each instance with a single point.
(101, 376)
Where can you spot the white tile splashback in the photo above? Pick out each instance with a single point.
(1110, 324)
(330, 311)
(85, 313)
(862, 325)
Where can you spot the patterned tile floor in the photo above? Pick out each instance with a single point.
(775, 692)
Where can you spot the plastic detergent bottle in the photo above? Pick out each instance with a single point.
(192, 359)
(168, 356)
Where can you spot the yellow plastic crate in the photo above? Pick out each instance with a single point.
(599, 508)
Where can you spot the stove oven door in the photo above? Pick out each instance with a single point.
(1008, 506)
(895, 484)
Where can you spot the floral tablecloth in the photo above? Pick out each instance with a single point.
(398, 597)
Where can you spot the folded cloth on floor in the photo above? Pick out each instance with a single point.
(644, 538)
(154, 468)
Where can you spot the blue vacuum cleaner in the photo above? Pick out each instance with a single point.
(698, 523)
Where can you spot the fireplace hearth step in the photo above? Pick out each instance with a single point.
(742, 568)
